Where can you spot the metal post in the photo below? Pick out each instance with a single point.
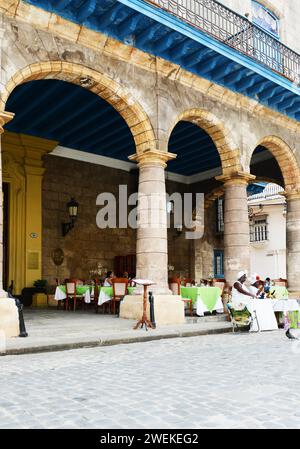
(152, 318)
(22, 327)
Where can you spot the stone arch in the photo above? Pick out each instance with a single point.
(227, 149)
(286, 160)
(108, 89)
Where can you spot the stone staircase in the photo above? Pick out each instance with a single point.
(207, 319)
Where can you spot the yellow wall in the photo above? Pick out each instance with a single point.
(23, 170)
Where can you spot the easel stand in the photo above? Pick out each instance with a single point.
(144, 320)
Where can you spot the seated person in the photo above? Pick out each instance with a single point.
(257, 288)
(261, 311)
(108, 278)
(267, 285)
(240, 293)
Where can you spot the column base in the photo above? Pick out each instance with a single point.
(168, 309)
(294, 293)
(9, 317)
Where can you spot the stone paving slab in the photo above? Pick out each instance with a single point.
(56, 330)
(218, 381)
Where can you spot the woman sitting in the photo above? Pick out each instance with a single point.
(240, 293)
(261, 310)
(108, 278)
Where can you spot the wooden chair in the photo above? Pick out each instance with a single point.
(71, 294)
(281, 282)
(174, 286)
(220, 283)
(188, 282)
(120, 286)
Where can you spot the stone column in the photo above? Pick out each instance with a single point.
(152, 240)
(9, 320)
(236, 225)
(293, 241)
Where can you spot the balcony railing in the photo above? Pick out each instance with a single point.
(237, 32)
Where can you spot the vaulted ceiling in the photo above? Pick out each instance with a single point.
(79, 119)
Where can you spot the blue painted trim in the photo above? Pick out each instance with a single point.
(173, 22)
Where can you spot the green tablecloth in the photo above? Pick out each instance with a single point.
(280, 292)
(80, 289)
(208, 295)
(109, 290)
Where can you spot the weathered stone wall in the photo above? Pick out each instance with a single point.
(204, 248)
(86, 244)
(157, 92)
(180, 250)
(151, 95)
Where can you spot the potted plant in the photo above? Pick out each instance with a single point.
(40, 285)
(39, 297)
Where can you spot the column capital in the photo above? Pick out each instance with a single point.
(5, 117)
(152, 157)
(291, 195)
(236, 178)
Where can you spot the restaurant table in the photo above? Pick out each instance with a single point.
(285, 305)
(87, 291)
(280, 292)
(81, 290)
(205, 299)
(263, 316)
(106, 293)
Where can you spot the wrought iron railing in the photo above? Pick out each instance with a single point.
(235, 31)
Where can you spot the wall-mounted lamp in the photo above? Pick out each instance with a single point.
(72, 207)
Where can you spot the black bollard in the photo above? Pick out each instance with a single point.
(22, 327)
(152, 318)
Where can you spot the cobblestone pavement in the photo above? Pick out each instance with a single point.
(217, 381)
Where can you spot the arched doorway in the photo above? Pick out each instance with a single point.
(204, 151)
(71, 136)
(277, 177)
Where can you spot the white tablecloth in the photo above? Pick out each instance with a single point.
(262, 313)
(61, 295)
(201, 307)
(286, 305)
(103, 297)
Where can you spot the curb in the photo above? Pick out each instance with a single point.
(112, 341)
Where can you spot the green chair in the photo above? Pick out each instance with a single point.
(239, 318)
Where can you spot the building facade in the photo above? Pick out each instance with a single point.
(160, 96)
(267, 212)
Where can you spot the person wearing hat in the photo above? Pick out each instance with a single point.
(240, 292)
(261, 310)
